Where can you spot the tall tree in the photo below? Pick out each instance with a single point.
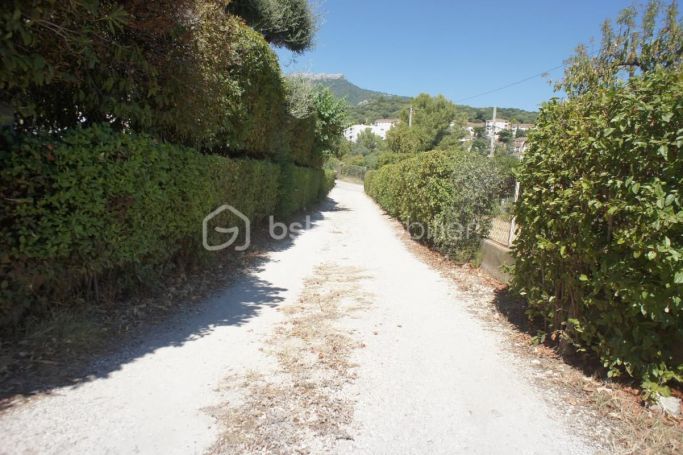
(433, 119)
(369, 140)
(633, 47)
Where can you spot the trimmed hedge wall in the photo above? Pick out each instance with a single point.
(186, 72)
(99, 202)
(451, 195)
(600, 252)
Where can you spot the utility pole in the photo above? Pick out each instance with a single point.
(410, 117)
(493, 134)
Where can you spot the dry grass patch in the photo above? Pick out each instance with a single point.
(300, 408)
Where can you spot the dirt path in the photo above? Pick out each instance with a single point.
(343, 342)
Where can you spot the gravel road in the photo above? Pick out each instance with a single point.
(341, 342)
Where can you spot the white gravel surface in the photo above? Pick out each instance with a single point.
(429, 378)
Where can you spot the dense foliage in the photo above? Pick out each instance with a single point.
(600, 253)
(100, 203)
(288, 23)
(187, 72)
(444, 198)
(434, 119)
(377, 108)
(125, 122)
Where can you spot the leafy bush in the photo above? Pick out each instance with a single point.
(63, 60)
(434, 120)
(299, 187)
(288, 23)
(330, 178)
(451, 195)
(186, 72)
(98, 203)
(600, 253)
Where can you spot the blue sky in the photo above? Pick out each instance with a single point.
(455, 48)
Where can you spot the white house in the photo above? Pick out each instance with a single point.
(383, 125)
(351, 133)
(521, 127)
(379, 127)
(497, 126)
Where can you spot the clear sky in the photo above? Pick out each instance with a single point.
(452, 47)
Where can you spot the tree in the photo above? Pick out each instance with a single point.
(434, 118)
(481, 146)
(369, 140)
(631, 49)
(330, 121)
(401, 139)
(287, 23)
(505, 136)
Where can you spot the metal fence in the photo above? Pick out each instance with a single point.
(504, 228)
(503, 231)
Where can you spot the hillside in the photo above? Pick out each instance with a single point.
(366, 106)
(342, 88)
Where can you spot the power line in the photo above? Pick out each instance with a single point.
(512, 84)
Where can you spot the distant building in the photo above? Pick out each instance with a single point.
(383, 125)
(379, 127)
(521, 127)
(351, 133)
(497, 126)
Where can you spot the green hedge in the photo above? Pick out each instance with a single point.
(183, 71)
(600, 253)
(450, 194)
(98, 202)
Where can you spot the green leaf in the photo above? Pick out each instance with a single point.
(663, 151)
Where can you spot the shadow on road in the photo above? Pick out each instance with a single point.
(231, 304)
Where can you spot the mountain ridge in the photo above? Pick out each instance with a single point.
(366, 106)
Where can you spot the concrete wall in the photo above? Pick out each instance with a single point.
(493, 257)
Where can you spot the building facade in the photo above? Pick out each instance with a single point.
(380, 127)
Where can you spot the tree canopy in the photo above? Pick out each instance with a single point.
(285, 23)
(434, 118)
(643, 40)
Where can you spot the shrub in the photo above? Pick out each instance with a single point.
(451, 195)
(299, 187)
(288, 23)
(329, 182)
(600, 253)
(98, 203)
(186, 72)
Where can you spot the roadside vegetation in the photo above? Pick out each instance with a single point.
(599, 257)
(428, 179)
(444, 198)
(125, 123)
